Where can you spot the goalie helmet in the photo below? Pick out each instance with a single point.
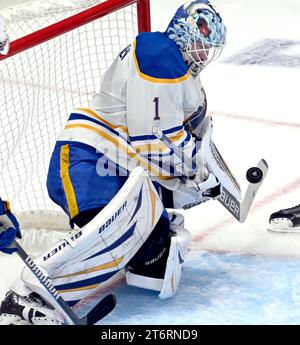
(198, 29)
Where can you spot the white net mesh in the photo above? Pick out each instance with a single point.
(40, 86)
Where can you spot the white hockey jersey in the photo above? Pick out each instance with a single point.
(148, 85)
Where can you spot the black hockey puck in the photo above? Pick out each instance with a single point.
(254, 175)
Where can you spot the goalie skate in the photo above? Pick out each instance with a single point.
(286, 220)
(26, 310)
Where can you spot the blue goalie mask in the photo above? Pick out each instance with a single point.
(198, 29)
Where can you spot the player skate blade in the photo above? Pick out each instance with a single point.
(283, 225)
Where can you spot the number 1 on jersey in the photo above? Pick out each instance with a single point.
(156, 101)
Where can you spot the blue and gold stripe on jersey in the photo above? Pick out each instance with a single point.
(92, 129)
(151, 146)
(92, 116)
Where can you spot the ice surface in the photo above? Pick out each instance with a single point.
(219, 289)
(237, 273)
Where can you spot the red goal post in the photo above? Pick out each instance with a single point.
(73, 22)
(59, 51)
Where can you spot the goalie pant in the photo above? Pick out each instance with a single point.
(95, 253)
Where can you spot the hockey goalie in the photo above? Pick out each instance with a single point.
(115, 178)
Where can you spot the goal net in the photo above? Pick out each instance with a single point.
(59, 51)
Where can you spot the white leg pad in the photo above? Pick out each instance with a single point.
(178, 249)
(93, 254)
(143, 282)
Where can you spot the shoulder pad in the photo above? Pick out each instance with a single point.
(159, 59)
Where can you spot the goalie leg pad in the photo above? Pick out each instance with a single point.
(168, 284)
(93, 254)
(178, 249)
(147, 267)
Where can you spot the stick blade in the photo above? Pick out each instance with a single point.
(240, 208)
(252, 191)
(102, 309)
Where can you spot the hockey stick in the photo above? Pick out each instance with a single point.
(255, 175)
(103, 308)
(240, 209)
